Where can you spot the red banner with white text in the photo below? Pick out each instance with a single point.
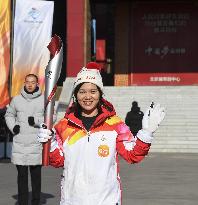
(164, 45)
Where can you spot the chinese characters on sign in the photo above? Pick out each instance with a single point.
(164, 43)
(165, 50)
(164, 79)
(166, 22)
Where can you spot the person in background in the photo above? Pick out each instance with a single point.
(134, 118)
(88, 140)
(23, 117)
(5, 134)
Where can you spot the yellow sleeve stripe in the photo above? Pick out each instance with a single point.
(67, 132)
(77, 136)
(113, 120)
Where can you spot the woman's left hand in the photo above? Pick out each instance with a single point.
(153, 117)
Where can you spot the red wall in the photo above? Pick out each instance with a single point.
(75, 37)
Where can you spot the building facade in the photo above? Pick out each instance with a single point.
(136, 42)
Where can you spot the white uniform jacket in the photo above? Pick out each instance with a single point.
(90, 158)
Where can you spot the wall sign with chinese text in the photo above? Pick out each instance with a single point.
(164, 43)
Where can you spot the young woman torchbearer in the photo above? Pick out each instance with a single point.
(88, 140)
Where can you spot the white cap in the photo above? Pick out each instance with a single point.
(89, 74)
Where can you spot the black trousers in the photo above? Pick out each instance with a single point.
(22, 179)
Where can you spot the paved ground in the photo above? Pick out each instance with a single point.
(161, 179)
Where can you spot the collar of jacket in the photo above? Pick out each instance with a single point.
(30, 95)
(107, 110)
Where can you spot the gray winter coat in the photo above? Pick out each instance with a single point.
(26, 150)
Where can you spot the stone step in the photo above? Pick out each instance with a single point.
(174, 146)
(174, 150)
(177, 134)
(174, 137)
(175, 142)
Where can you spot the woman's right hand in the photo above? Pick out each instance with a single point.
(44, 134)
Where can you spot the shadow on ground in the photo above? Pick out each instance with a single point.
(44, 197)
(5, 160)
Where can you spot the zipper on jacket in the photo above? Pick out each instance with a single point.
(88, 133)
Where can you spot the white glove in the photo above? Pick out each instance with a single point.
(44, 134)
(153, 117)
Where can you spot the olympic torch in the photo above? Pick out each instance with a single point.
(52, 73)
